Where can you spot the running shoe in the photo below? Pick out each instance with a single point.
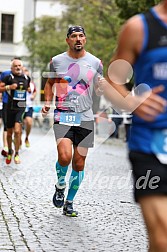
(17, 159)
(9, 157)
(27, 143)
(58, 197)
(4, 153)
(68, 209)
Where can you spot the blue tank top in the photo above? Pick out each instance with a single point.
(151, 69)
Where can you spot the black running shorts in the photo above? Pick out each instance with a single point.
(14, 116)
(82, 135)
(150, 176)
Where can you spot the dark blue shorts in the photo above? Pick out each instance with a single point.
(29, 113)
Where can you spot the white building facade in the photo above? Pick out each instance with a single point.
(14, 15)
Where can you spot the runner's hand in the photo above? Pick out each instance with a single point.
(152, 106)
(45, 110)
(13, 86)
(100, 85)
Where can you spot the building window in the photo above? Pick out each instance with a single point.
(7, 26)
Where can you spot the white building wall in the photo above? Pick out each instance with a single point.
(17, 48)
(15, 8)
(52, 8)
(28, 11)
(25, 11)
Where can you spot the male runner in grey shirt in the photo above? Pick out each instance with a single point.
(73, 75)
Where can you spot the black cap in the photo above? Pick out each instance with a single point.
(72, 29)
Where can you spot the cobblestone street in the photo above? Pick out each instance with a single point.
(109, 220)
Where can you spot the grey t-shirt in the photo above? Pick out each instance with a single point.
(75, 80)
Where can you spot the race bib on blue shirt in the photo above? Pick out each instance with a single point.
(159, 145)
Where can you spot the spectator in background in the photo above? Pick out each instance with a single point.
(117, 120)
(28, 116)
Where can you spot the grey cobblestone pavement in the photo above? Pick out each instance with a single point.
(109, 220)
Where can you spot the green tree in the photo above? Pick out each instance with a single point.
(43, 38)
(128, 8)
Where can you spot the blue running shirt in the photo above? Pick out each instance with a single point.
(151, 69)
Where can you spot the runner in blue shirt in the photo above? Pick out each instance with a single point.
(142, 46)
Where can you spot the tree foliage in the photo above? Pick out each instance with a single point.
(128, 8)
(43, 37)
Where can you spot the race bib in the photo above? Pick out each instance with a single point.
(159, 145)
(19, 95)
(70, 119)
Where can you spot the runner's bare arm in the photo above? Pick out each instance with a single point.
(48, 94)
(4, 87)
(129, 46)
(48, 91)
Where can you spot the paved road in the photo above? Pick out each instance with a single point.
(108, 220)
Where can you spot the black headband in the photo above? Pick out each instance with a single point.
(75, 29)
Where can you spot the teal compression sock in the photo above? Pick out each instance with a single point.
(75, 181)
(61, 173)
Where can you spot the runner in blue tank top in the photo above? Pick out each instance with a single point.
(142, 44)
(73, 74)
